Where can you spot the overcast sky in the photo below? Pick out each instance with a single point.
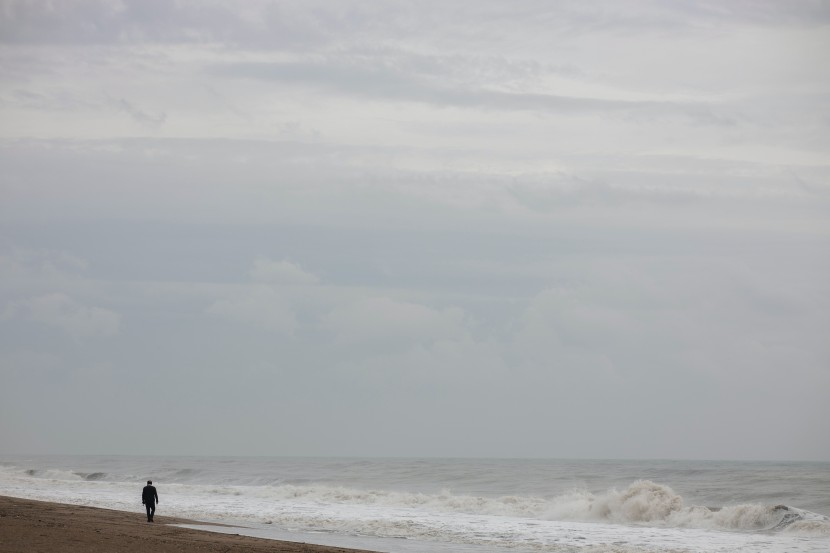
(482, 228)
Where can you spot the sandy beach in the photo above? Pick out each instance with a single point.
(39, 526)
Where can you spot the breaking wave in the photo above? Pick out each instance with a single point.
(647, 503)
(643, 503)
(55, 474)
(93, 476)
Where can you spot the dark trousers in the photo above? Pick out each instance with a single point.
(151, 510)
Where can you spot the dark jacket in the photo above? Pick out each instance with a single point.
(149, 495)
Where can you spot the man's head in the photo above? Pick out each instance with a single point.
(149, 482)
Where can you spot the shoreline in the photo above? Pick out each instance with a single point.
(43, 527)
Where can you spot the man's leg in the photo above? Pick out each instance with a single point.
(150, 508)
(152, 511)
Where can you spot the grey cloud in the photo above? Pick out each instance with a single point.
(381, 321)
(271, 302)
(62, 311)
(297, 24)
(140, 115)
(260, 306)
(62, 100)
(377, 82)
(21, 362)
(28, 263)
(562, 217)
(281, 272)
(766, 12)
(144, 21)
(321, 177)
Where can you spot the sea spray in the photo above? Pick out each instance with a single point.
(642, 501)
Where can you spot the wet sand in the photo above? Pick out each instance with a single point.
(43, 527)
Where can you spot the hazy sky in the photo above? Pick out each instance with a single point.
(483, 228)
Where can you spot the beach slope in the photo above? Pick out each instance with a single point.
(42, 527)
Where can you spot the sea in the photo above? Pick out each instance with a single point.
(460, 505)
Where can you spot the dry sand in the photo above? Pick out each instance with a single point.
(42, 527)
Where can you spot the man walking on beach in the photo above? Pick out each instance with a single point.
(149, 498)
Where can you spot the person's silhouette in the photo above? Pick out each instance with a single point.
(149, 498)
